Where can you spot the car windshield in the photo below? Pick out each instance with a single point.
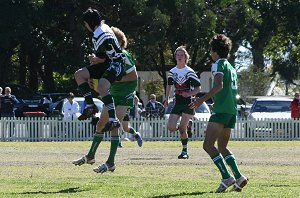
(271, 106)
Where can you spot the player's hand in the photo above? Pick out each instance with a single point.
(196, 103)
(166, 103)
(94, 59)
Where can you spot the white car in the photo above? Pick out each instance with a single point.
(270, 107)
(262, 113)
(97, 102)
(202, 112)
(80, 100)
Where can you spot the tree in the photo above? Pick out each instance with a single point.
(253, 83)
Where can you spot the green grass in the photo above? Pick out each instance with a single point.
(44, 169)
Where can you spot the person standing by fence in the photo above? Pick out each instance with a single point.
(223, 119)
(1, 95)
(295, 107)
(187, 85)
(8, 102)
(295, 113)
(154, 110)
(70, 108)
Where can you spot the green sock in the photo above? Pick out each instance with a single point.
(110, 105)
(113, 149)
(86, 92)
(230, 160)
(219, 162)
(184, 143)
(96, 141)
(132, 130)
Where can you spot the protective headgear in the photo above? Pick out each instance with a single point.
(92, 17)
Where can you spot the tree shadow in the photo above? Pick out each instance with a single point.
(67, 190)
(182, 194)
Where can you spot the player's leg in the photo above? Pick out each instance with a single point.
(113, 73)
(129, 129)
(82, 76)
(212, 132)
(185, 118)
(89, 158)
(223, 140)
(190, 128)
(109, 165)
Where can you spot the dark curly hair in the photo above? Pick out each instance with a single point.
(221, 44)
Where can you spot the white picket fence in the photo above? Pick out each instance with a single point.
(54, 129)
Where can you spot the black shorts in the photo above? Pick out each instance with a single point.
(108, 70)
(96, 71)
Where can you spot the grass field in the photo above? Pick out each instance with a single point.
(44, 169)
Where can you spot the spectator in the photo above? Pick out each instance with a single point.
(295, 107)
(8, 102)
(70, 108)
(154, 109)
(137, 108)
(0, 99)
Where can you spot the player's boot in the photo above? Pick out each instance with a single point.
(183, 155)
(88, 112)
(225, 183)
(113, 124)
(240, 184)
(105, 167)
(120, 145)
(83, 160)
(138, 139)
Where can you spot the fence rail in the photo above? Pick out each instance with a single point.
(54, 129)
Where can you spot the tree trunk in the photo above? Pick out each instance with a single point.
(33, 67)
(23, 65)
(162, 70)
(258, 56)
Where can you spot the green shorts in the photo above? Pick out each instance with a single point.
(123, 93)
(228, 120)
(179, 109)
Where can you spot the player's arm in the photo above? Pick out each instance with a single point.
(94, 59)
(218, 86)
(168, 90)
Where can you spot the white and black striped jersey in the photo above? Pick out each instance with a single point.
(184, 80)
(106, 44)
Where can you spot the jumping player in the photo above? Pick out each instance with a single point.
(110, 55)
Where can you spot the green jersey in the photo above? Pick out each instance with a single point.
(129, 62)
(225, 100)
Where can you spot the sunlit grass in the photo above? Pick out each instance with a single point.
(44, 169)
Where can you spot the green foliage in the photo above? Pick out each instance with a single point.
(154, 87)
(65, 83)
(252, 82)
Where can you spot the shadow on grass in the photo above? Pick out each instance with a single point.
(68, 190)
(182, 194)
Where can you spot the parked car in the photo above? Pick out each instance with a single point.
(264, 109)
(202, 112)
(57, 110)
(28, 100)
